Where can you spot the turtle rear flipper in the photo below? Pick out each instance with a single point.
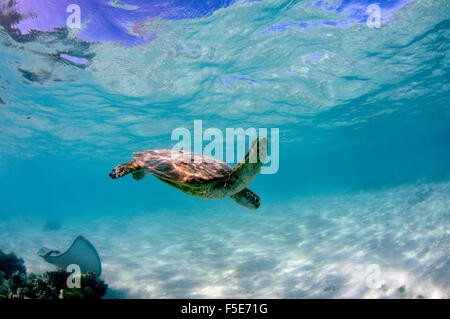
(247, 169)
(138, 175)
(247, 199)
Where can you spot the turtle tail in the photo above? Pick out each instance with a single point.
(124, 169)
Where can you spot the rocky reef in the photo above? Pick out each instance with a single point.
(16, 283)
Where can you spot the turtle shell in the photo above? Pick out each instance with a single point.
(182, 167)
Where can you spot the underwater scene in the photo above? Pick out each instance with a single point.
(225, 148)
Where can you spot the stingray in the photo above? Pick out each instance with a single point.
(80, 253)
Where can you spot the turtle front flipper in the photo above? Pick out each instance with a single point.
(124, 169)
(247, 199)
(138, 175)
(247, 169)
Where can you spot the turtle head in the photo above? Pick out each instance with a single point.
(248, 168)
(258, 151)
(124, 169)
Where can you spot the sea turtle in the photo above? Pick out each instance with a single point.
(200, 175)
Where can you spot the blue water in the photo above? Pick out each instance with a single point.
(364, 151)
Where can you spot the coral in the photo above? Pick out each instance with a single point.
(10, 264)
(94, 286)
(15, 283)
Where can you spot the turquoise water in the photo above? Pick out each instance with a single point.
(364, 153)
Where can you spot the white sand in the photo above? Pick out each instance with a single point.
(322, 247)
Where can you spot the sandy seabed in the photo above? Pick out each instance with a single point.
(392, 243)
